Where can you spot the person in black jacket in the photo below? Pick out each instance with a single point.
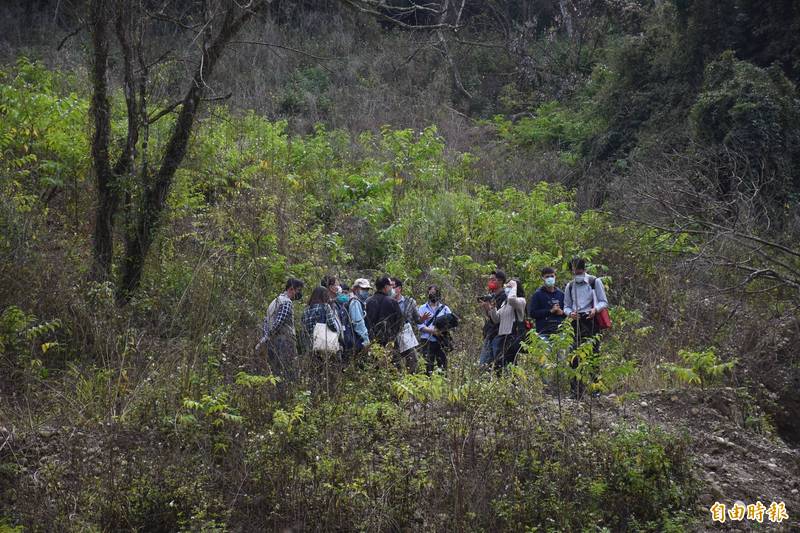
(546, 305)
(384, 317)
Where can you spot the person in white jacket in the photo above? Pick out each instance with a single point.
(509, 315)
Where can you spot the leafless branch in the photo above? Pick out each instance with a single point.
(288, 48)
(71, 34)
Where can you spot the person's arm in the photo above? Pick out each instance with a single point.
(281, 316)
(568, 299)
(530, 309)
(397, 320)
(264, 333)
(536, 309)
(415, 317)
(357, 318)
(330, 319)
(600, 295)
(422, 324)
(494, 316)
(517, 303)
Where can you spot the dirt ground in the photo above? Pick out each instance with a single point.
(736, 458)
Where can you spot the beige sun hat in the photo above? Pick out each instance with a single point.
(362, 283)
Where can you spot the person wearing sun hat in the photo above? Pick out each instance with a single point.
(357, 311)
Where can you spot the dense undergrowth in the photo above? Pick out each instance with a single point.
(164, 420)
(155, 415)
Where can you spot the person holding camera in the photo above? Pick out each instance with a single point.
(510, 318)
(546, 306)
(492, 300)
(432, 339)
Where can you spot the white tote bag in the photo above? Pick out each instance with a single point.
(325, 340)
(406, 338)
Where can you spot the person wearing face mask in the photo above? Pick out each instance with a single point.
(411, 316)
(510, 318)
(546, 305)
(432, 345)
(384, 318)
(318, 311)
(584, 297)
(279, 336)
(494, 299)
(339, 312)
(356, 333)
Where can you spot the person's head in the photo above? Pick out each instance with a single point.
(294, 288)
(384, 284)
(361, 288)
(343, 296)
(330, 283)
(434, 294)
(549, 277)
(320, 295)
(496, 281)
(578, 268)
(397, 283)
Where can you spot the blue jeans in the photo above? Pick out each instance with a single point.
(486, 352)
(491, 350)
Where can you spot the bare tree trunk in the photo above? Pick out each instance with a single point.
(567, 16)
(107, 178)
(154, 197)
(445, 49)
(101, 114)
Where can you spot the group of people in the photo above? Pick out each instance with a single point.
(508, 317)
(358, 316)
(361, 315)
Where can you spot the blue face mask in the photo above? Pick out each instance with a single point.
(507, 290)
(363, 293)
(342, 298)
(550, 281)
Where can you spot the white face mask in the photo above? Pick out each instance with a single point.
(580, 278)
(507, 290)
(550, 281)
(392, 293)
(338, 289)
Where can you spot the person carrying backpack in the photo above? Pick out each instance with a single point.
(411, 317)
(356, 333)
(279, 336)
(584, 298)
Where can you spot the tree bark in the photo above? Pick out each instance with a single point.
(103, 243)
(107, 177)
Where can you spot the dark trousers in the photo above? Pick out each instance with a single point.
(585, 329)
(434, 356)
(407, 359)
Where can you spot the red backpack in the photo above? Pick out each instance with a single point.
(602, 320)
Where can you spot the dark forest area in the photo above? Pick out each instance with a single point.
(167, 165)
